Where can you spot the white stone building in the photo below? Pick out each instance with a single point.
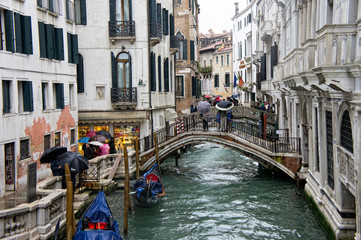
(245, 64)
(127, 68)
(311, 69)
(38, 56)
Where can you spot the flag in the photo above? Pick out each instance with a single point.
(225, 88)
(235, 80)
(240, 81)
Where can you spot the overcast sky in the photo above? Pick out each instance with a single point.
(217, 14)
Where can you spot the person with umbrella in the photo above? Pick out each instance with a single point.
(88, 151)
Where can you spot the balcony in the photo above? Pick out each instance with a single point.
(155, 33)
(124, 98)
(266, 30)
(122, 30)
(174, 44)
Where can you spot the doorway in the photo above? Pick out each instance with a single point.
(9, 167)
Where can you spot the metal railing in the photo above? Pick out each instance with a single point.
(155, 30)
(174, 42)
(124, 95)
(121, 29)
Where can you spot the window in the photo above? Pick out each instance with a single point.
(204, 63)
(51, 5)
(124, 71)
(192, 51)
(227, 60)
(179, 1)
(80, 12)
(166, 75)
(57, 139)
(245, 47)
(25, 94)
(217, 59)
(159, 73)
(51, 41)
(179, 81)
(227, 80)
(47, 142)
(72, 136)
(222, 60)
(182, 53)
(24, 149)
(165, 22)
(194, 86)
(216, 81)
(59, 95)
(346, 132)
(45, 95)
(210, 62)
(153, 84)
(80, 74)
(6, 86)
(123, 10)
(71, 96)
(73, 56)
(159, 14)
(69, 8)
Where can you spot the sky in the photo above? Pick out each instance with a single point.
(217, 14)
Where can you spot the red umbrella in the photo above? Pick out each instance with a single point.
(91, 133)
(207, 96)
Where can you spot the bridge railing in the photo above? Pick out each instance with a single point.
(163, 135)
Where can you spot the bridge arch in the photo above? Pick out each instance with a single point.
(286, 163)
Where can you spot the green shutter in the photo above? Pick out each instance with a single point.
(112, 10)
(185, 49)
(80, 75)
(75, 50)
(160, 74)
(43, 92)
(70, 50)
(42, 43)
(27, 35)
(152, 72)
(83, 12)
(166, 75)
(153, 11)
(28, 96)
(164, 22)
(171, 22)
(59, 44)
(59, 88)
(159, 13)
(194, 86)
(40, 3)
(51, 5)
(6, 96)
(49, 33)
(114, 71)
(18, 38)
(130, 10)
(9, 30)
(192, 50)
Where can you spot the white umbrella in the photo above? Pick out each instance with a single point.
(96, 143)
(224, 105)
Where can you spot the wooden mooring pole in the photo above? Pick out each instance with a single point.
(137, 156)
(126, 189)
(70, 218)
(176, 158)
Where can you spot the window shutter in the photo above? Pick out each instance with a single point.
(75, 51)
(18, 38)
(59, 44)
(112, 10)
(27, 96)
(27, 35)
(51, 5)
(154, 84)
(185, 50)
(9, 30)
(166, 75)
(80, 75)
(190, 4)
(130, 10)
(160, 74)
(171, 22)
(153, 11)
(40, 3)
(49, 32)
(274, 58)
(70, 50)
(59, 95)
(83, 12)
(42, 43)
(192, 50)
(6, 96)
(194, 86)
(263, 68)
(43, 92)
(114, 71)
(159, 13)
(130, 73)
(164, 22)
(193, 7)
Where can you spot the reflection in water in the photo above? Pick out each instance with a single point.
(216, 193)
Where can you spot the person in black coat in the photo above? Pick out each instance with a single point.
(112, 146)
(88, 152)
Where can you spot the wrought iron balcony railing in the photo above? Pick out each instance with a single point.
(174, 42)
(121, 29)
(155, 30)
(124, 95)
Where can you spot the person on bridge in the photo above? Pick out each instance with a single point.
(229, 120)
(218, 120)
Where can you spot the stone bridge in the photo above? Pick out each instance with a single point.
(279, 154)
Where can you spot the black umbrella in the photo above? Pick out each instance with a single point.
(51, 154)
(203, 107)
(104, 133)
(77, 162)
(224, 105)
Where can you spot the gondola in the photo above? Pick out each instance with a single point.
(98, 222)
(147, 190)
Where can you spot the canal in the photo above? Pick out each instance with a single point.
(216, 193)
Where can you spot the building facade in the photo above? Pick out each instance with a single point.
(127, 68)
(38, 59)
(222, 71)
(188, 88)
(245, 64)
(310, 67)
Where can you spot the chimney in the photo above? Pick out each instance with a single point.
(236, 7)
(210, 33)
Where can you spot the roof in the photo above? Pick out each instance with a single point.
(211, 47)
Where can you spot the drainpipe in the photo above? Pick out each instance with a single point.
(149, 82)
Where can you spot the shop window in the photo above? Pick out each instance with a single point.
(82, 131)
(125, 136)
(24, 149)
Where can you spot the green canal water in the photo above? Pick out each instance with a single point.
(216, 193)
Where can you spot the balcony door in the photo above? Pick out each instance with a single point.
(123, 8)
(124, 71)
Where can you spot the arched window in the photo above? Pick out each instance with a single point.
(182, 53)
(124, 71)
(346, 132)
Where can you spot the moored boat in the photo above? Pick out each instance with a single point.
(98, 222)
(147, 190)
